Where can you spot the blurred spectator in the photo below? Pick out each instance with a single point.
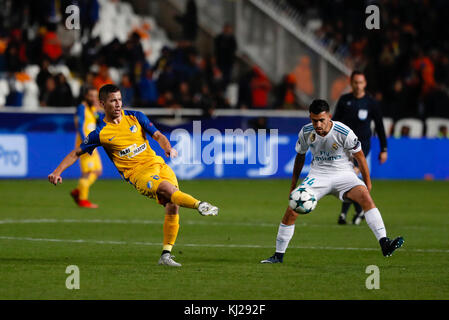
(113, 54)
(212, 73)
(15, 96)
(244, 90)
(405, 132)
(133, 51)
(286, 94)
(189, 21)
(183, 95)
(51, 46)
(437, 103)
(162, 61)
(102, 77)
(89, 15)
(43, 75)
(15, 54)
(167, 79)
(87, 83)
(258, 123)
(63, 92)
(220, 100)
(48, 97)
(443, 132)
(127, 90)
(260, 88)
(425, 69)
(205, 101)
(147, 90)
(225, 47)
(90, 53)
(167, 100)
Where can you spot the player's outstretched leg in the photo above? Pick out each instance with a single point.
(170, 228)
(169, 191)
(285, 233)
(374, 220)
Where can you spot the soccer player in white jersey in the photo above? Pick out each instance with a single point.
(333, 146)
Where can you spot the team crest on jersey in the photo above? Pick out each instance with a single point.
(335, 146)
(133, 129)
(363, 114)
(312, 137)
(86, 141)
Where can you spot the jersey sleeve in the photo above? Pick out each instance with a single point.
(338, 113)
(301, 145)
(352, 143)
(379, 125)
(146, 124)
(79, 120)
(91, 142)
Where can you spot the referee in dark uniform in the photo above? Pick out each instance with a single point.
(357, 109)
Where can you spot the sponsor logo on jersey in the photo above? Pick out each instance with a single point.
(133, 129)
(132, 150)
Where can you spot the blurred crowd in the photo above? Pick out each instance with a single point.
(406, 61)
(32, 34)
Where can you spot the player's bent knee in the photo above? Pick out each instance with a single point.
(165, 190)
(171, 208)
(290, 217)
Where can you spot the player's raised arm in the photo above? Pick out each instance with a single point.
(165, 144)
(70, 159)
(363, 166)
(88, 145)
(297, 168)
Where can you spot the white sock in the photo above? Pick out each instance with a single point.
(285, 234)
(375, 222)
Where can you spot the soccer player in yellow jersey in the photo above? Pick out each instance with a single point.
(122, 133)
(85, 123)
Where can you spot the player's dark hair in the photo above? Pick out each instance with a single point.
(356, 73)
(87, 89)
(106, 90)
(318, 105)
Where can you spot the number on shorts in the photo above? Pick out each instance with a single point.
(308, 181)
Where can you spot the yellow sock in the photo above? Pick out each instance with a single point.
(171, 227)
(84, 185)
(184, 200)
(92, 177)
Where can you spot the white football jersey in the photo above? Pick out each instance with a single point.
(332, 152)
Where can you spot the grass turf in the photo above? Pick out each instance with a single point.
(119, 244)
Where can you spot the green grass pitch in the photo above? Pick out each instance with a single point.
(117, 246)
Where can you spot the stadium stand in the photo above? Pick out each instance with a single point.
(407, 72)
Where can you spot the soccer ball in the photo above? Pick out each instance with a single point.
(302, 200)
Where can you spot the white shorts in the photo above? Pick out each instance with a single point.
(337, 183)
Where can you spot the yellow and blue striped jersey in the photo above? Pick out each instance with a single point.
(85, 121)
(125, 143)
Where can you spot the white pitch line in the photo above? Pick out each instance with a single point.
(209, 245)
(208, 223)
